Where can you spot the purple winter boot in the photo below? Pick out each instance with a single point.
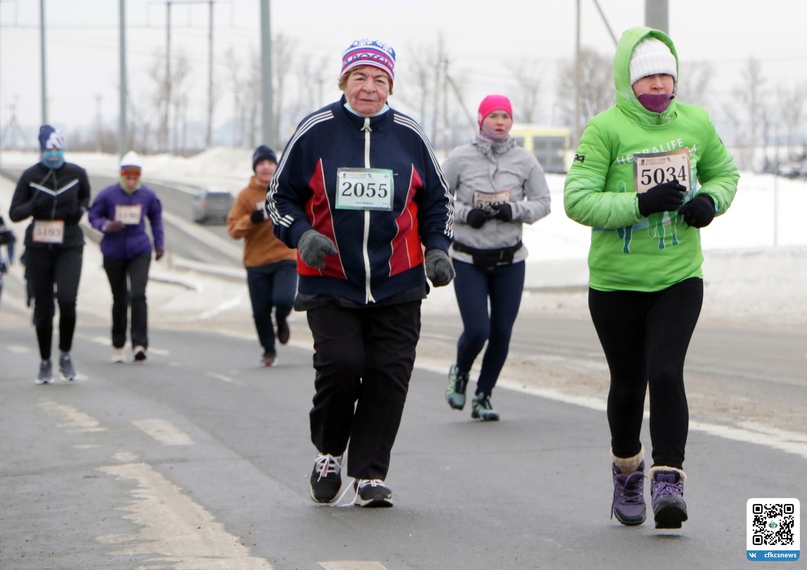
(628, 505)
(667, 492)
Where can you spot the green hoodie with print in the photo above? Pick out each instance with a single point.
(629, 251)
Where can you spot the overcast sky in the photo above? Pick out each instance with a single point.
(482, 39)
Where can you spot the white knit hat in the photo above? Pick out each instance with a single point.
(651, 56)
(130, 164)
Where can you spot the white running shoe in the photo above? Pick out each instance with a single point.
(118, 355)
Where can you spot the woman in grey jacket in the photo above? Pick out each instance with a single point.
(498, 186)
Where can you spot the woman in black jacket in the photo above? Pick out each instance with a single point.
(55, 194)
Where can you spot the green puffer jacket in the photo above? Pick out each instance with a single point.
(629, 251)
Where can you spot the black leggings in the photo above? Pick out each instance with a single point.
(48, 269)
(645, 337)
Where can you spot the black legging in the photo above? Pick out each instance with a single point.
(47, 268)
(645, 337)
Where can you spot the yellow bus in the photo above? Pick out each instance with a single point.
(550, 145)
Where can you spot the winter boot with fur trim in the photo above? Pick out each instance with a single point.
(628, 505)
(667, 491)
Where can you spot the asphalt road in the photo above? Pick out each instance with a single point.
(200, 459)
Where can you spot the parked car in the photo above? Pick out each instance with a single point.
(212, 205)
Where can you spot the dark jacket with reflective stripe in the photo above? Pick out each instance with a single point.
(44, 193)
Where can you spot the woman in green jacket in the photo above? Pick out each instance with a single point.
(648, 173)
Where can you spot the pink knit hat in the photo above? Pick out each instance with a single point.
(493, 103)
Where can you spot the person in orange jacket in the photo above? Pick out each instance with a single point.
(271, 266)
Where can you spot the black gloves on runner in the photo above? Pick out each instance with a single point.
(313, 247)
(665, 197)
(256, 217)
(439, 269)
(698, 212)
(477, 217)
(504, 212)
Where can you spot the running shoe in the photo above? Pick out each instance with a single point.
(139, 353)
(283, 331)
(269, 358)
(66, 367)
(118, 355)
(325, 478)
(455, 392)
(372, 493)
(45, 375)
(481, 409)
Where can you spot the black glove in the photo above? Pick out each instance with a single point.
(256, 217)
(439, 269)
(504, 212)
(113, 226)
(159, 251)
(7, 237)
(27, 209)
(476, 218)
(698, 212)
(666, 197)
(313, 247)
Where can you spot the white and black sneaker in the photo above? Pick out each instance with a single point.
(372, 493)
(139, 353)
(325, 478)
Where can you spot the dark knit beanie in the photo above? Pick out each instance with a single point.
(263, 152)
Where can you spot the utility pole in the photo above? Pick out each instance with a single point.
(123, 135)
(577, 72)
(42, 55)
(209, 134)
(267, 121)
(167, 102)
(656, 15)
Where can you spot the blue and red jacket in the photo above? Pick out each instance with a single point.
(380, 253)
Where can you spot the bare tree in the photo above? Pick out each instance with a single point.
(791, 103)
(694, 83)
(180, 72)
(596, 80)
(529, 86)
(751, 95)
(160, 98)
(236, 91)
(418, 94)
(283, 63)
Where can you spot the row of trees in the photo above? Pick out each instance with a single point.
(755, 115)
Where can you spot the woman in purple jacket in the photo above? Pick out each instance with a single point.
(120, 212)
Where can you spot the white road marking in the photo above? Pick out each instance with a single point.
(746, 432)
(163, 431)
(225, 378)
(351, 565)
(18, 348)
(175, 531)
(74, 419)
